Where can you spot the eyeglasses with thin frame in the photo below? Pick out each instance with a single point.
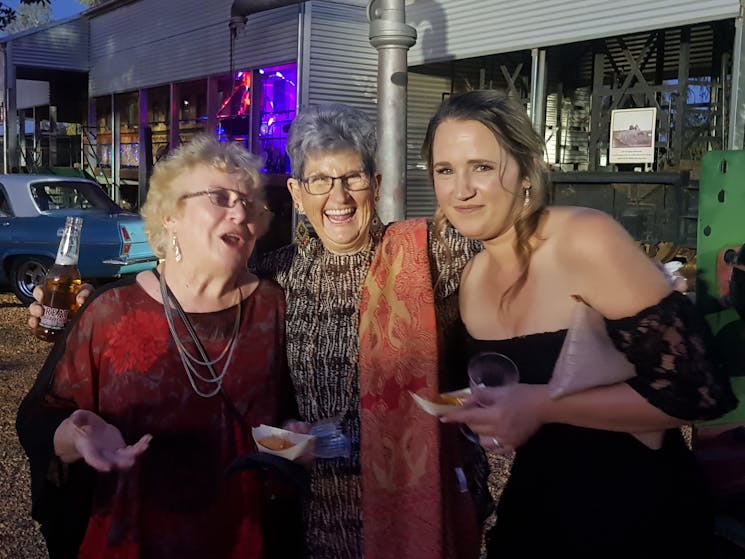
(323, 184)
(227, 198)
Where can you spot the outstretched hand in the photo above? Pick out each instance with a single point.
(35, 310)
(86, 435)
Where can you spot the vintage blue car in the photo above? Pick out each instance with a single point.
(33, 209)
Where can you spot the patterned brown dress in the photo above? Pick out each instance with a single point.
(323, 294)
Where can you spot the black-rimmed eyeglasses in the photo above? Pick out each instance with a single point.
(323, 184)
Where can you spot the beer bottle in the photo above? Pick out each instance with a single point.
(62, 283)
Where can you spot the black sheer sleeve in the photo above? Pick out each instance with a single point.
(61, 494)
(275, 265)
(666, 343)
(449, 252)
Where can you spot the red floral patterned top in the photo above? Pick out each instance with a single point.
(119, 361)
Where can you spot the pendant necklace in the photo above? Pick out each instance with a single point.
(190, 362)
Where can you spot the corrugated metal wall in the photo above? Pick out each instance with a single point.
(151, 42)
(340, 63)
(59, 47)
(424, 98)
(464, 28)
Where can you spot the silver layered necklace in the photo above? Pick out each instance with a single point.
(191, 363)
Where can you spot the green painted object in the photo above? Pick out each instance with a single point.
(721, 225)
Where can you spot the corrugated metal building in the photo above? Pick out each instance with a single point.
(151, 73)
(573, 63)
(157, 71)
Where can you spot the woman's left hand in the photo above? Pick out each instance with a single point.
(512, 417)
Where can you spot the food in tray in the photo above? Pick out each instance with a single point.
(281, 442)
(442, 403)
(448, 400)
(275, 442)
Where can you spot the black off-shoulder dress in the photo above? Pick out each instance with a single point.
(581, 493)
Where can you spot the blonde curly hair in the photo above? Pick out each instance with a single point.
(163, 197)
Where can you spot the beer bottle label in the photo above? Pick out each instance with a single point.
(54, 318)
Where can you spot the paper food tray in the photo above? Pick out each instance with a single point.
(433, 408)
(301, 443)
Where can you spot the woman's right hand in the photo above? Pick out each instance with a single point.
(86, 435)
(303, 428)
(35, 310)
(297, 426)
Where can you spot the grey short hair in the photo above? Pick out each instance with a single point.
(330, 128)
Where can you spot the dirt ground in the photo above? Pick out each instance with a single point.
(21, 357)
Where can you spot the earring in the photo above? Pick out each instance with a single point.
(377, 229)
(302, 236)
(298, 210)
(526, 199)
(176, 249)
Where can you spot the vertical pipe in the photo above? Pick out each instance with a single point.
(596, 120)
(736, 107)
(303, 75)
(174, 138)
(682, 105)
(116, 141)
(89, 155)
(144, 148)
(52, 161)
(11, 112)
(538, 90)
(213, 104)
(390, 35)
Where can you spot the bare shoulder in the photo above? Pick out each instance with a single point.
(585, 234)
(575, 223)
(473, 264)
(609, 268)
(149, 284)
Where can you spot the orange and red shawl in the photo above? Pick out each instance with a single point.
(400, 448)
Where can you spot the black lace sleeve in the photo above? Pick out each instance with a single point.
(666, 343)
(61, 494)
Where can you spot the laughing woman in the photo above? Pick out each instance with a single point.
(182, 361)
(370, 311)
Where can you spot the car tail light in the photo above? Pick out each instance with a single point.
(127, 240)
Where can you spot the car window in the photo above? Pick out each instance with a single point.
(4, 205)
(71, 196)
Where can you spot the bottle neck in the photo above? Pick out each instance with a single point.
(69, 246)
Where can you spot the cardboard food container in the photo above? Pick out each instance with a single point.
(438, 408)
(300, 443)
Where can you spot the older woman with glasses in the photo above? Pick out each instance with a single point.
(180, 361)
(369, 311)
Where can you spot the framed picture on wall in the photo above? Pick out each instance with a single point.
(632, 135)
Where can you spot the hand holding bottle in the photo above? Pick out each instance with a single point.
(61, 284)
(36, 309)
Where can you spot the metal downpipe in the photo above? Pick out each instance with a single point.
(390, 35)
